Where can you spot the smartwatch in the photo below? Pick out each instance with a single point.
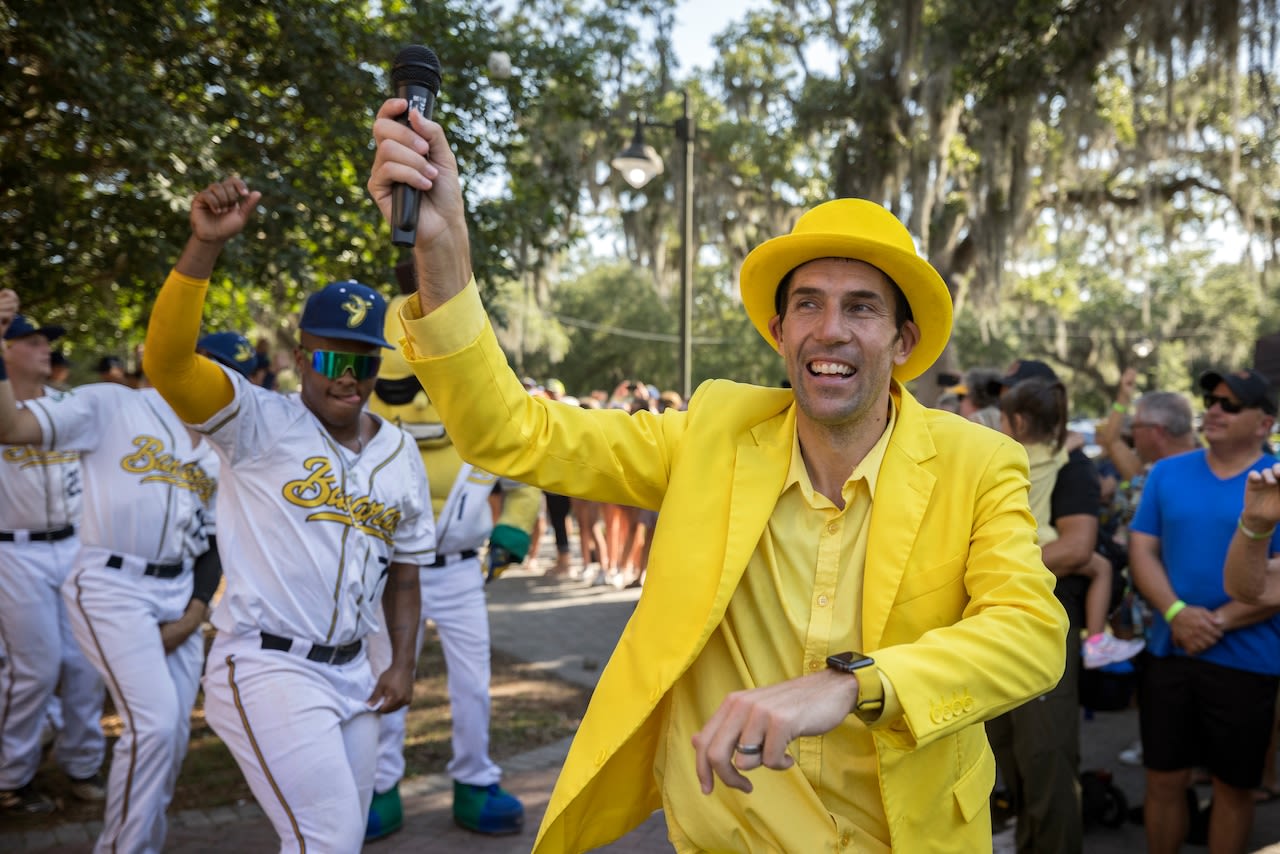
(870, 689)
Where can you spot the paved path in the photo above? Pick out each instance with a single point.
(570, 629)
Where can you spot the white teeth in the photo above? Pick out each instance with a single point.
(832, 368)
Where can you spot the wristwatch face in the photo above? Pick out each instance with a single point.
(849, 661)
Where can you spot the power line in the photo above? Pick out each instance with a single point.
(640, 335)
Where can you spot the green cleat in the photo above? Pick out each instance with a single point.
(386, 815)
(487, 809)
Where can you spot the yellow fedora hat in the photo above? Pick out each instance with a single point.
(863, 231)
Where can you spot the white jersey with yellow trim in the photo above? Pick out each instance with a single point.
(308, 528)
(144, 481)
(39, 490)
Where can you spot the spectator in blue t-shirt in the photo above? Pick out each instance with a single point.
(1208, 692)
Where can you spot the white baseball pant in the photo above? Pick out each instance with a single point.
(40, 653)
(453, 598)
(302, 735)
(115, 615)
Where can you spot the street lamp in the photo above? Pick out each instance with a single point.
(640, 164)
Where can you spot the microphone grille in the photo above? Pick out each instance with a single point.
(417, 64)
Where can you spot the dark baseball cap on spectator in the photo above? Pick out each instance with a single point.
(349, 311)
(107, 363)
(21, 328)
(1250, 387)
(1023, 369)
(231, 349)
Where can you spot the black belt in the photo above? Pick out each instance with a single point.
(318, 652)
(40, 536)
(441, 560)
(156, 570)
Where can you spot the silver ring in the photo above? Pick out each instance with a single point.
(749, 749)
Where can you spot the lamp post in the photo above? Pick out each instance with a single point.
(639, 164)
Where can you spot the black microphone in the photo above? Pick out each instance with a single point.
(416, 77)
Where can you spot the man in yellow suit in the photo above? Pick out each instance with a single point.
(843, 584)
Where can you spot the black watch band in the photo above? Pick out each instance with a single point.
(870, 700)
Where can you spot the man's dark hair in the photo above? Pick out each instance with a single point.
(901, 308)
(978, 382)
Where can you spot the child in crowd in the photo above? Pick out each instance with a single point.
(1034, 412)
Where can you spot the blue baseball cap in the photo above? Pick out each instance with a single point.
(21, 328)
(231, 349)
(346, 310)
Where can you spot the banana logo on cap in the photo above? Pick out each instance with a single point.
(357, 308)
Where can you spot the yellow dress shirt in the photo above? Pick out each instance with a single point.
(812, 554)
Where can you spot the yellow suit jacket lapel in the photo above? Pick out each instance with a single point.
(759, 470)
(683, 603)
(903, 488)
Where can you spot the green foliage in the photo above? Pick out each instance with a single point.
(115, 115)
(1065, 166)
(1091, 323)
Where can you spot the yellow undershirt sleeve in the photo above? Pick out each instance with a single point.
(194, 386)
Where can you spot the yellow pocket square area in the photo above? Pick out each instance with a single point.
(948, 709)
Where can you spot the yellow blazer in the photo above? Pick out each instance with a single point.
(958, 608)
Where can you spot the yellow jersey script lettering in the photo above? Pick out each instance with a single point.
(156, 466)
(27, 457)
(321, 490)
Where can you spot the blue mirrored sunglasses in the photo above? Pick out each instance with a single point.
(334, 364)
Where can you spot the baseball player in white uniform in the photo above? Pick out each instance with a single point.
(323, 514)
(453, 598)
(130, 595)
(39, 510)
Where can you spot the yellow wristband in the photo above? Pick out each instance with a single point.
(1174, 610)
(870, 702)
(1254, 535)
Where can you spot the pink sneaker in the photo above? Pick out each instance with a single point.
(1103, 649)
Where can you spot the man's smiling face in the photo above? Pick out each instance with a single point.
(839, 338)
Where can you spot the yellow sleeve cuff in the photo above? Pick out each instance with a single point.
(448, 329)
(890, 710)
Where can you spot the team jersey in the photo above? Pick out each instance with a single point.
(145, 482)
(465, 520)
(39, 490)
(307, 529)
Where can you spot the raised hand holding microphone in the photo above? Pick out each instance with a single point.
(416, 77)
(418, 156)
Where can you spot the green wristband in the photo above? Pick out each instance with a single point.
(1174, 610)
(1122, 408)
(1254, 535)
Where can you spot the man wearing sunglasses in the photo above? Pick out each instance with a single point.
(324, 512)
(1207, 693)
